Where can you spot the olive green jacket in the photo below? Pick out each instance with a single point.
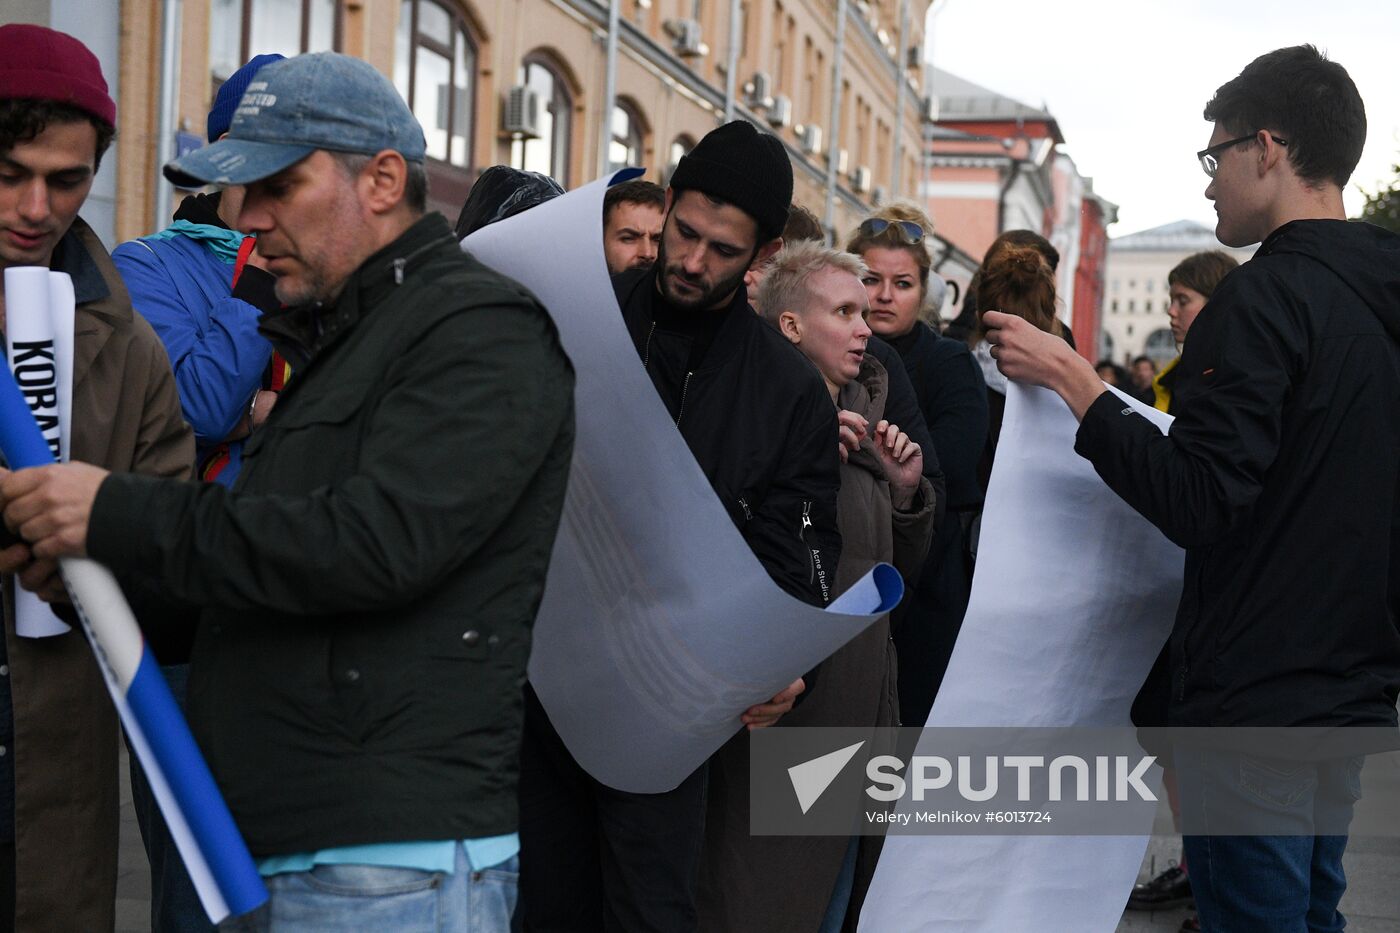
(126, 417)
(369, 585)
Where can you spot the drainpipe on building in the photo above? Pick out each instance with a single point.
(896, 176)
(731, 68)
(165, 121)
(609, 88)
(834, 146)
(1001, 195)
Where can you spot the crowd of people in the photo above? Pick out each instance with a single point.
(325, 451)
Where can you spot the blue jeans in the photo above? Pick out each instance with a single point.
(335, 898)
(1268, 884)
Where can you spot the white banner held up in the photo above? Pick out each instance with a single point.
(1073, 598)
(658, 625)
(31, 338)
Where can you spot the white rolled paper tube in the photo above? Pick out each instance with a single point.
(29, 342)
(63, 310)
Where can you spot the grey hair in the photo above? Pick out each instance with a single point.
(415, 190)
(785, 288)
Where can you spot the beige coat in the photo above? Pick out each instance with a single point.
(783, 883)
(126, 417)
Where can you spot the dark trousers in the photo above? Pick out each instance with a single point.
(925, 632)
(175, 906)
(594, 858)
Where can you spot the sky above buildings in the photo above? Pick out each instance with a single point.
(1127, 81)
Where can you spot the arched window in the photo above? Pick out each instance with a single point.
(1105, 346)
(241, 29)
(625, 147)
(679, 147)
(1160, 345)
(435, 71)
(549, 152)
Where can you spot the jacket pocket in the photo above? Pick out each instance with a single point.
(1189, 616)
(740, 506)
(1280, 783)
(314, 420)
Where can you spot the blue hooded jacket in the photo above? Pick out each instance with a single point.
(181, 281)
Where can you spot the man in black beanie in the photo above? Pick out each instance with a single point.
(759, 420)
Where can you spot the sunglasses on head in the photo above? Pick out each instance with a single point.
(908, 231)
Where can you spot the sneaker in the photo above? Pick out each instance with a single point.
(1172, 888)
(1191, 924)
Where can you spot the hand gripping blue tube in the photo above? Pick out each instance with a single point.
(218, 861)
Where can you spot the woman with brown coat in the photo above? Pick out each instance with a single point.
(885, 512)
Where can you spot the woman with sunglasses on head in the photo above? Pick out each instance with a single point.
(953, 398)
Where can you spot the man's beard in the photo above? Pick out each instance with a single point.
(709, 294)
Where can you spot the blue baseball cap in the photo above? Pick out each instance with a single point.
(231, 92)
(296, 106)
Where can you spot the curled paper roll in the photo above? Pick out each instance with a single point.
(214, 853)
(642, 662)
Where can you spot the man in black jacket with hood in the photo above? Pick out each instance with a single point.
(1281, 479)
(761, 425)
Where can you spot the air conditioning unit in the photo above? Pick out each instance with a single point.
(880, 196)
(759, 91)
(780, 111)
(861, 179)
(810, 136)
(522, 114)
(685, 37)
(930, 109)
(843, 162)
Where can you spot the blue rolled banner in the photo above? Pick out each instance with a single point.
(218, 861)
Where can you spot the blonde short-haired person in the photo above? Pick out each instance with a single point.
(885, 512)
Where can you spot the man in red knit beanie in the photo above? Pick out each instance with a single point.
(58, 735)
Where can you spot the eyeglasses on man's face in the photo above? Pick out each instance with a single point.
(909, 231)
(1208, 156)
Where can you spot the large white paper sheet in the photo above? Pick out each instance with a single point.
(42, 362)
(658, 625)
(1073, 598)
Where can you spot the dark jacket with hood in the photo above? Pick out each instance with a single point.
(208, 323)
(757, 417)
(369, 585)
(1281, 479)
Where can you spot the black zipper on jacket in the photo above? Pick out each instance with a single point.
(646, 350)
(802, 536)
(685, 386)
(817, 574)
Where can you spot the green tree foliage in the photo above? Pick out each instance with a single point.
(1382, 207)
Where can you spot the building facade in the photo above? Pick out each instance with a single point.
(1135, 317)
(523, 82)
(1090, 274)
(995, 164)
